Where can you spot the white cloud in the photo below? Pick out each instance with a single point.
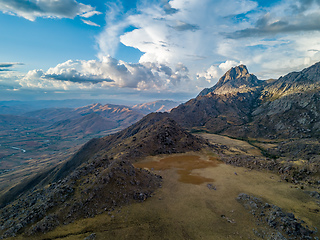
(108, 39)
(90, 23)
(210, 76)
(108, 73)
(31, 9)
(189, 34)
(225, 66)
(90, 14)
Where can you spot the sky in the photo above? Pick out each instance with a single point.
(144, 50)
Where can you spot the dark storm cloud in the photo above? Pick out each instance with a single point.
(266, 26)
(77, 78)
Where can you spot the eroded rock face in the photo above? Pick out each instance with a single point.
(291, 116)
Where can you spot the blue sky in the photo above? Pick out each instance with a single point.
(146, 50)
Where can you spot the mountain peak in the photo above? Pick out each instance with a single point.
(237, 79)
(234, 73)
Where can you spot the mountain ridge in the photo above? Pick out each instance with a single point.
(248, 111)
(102, 169)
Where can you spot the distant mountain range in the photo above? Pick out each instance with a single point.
(91, 119)
(87, 120)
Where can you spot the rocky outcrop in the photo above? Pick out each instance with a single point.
(154, 134)
(99, 185)
(273, 222)
(307, 80)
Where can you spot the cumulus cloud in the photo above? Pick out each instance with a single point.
(174, 31)
(107, 73)
(31, 9)
(225, 66)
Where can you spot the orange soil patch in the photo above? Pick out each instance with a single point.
(184, 165)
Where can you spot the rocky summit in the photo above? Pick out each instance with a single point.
(237, 79)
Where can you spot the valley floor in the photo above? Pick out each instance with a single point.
(195, 210)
